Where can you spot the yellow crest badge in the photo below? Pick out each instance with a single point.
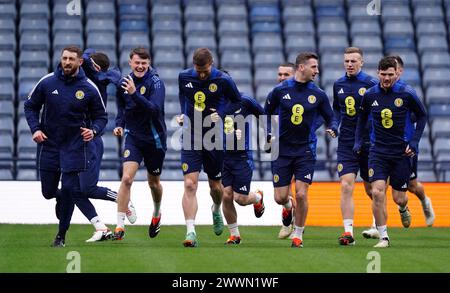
(213, 87)
(184, 166)
(276, 178)
(398, 102)
(312, 99)
(371, 172)
(362, 91)
(126, 153)
(340, 167)
(79, 95)
(142, 90)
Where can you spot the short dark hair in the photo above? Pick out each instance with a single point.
(350, 50)
(398, 59)
(101, 59)
(73, 49)
(387, 62)
(141, 52)
(202, 57)
(287, 64)
(305, 56)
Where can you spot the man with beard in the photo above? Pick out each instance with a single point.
(73, 114)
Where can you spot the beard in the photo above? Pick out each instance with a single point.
(70, 70)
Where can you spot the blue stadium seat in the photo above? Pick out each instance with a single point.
(133, 12)
(167, 42)
(31, 24)
(7, 126)
(393, 28)
(8, 10)
(263, 90)
(199, 12)
(267, 42)
(440, 127)
(268, 59)
(409, 58)
(416, 3)
(7, 91)
(101, 40)
(435, 59)
(7, 25)
(432, 43)
(35, 10)
(439, 110)
(399, 43)
(7, 74)
(102, 25)
(67, 25)
(62, 39)
(24, 89)
(436, 76)
(266, 27)
(7, 58)
(130, 40)
(169, 74)
(233, 59)
(6, 146)
(133, 25)
(59, 11)
(264, 75)
(232, 12)
(194, 42)
(22, 125)
(7, 41)
(166, 12)
(6, 174)
(109, 175)
(332, 43)
(430, 28)
(234, 43)
(330, 11)
(26, 147)
(199, 27)
(242, 75)
(297, 44)
(333, 60)
(365, 28)
(298, 28)
(100, 9)
(335, 27)
(164, 58)
(172, 26)
(357, 13)
(34, 40)
(329, 76)
(371, 59)
(395, 12)
(234, 27)
(296, 13)
(437, 94)
(31, 73)
(411, 76)
(428, 13)
(6, 109)
(262, 13)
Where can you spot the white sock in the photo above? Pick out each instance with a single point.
(383, 231)
(348, 225)
(190, 226)
(298, 232)
(424, 201)
(98, 224)
(257, 197)
(215, 208)
(288, 205)
(234, 229)
(157, 208)
(121, 220)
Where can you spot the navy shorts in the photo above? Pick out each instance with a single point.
(47, 157)
(136, 150)
(238, 173)
(284, 167)
(414, 161)
(398, 169)
(349, 162)
(212, 162)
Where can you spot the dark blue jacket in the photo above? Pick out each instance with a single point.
(142, 113)
(68, 104)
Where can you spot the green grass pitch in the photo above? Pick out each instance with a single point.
(26, 248)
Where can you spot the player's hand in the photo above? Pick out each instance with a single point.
(39, 136)
(180, 119)
(214, 116)
(357, 148)
(409, 152)
(87, 133)
(128, 85)
(118, 131)
(238, 134)
(96, 66)
(331, 132)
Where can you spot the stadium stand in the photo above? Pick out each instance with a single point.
(249, 39)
